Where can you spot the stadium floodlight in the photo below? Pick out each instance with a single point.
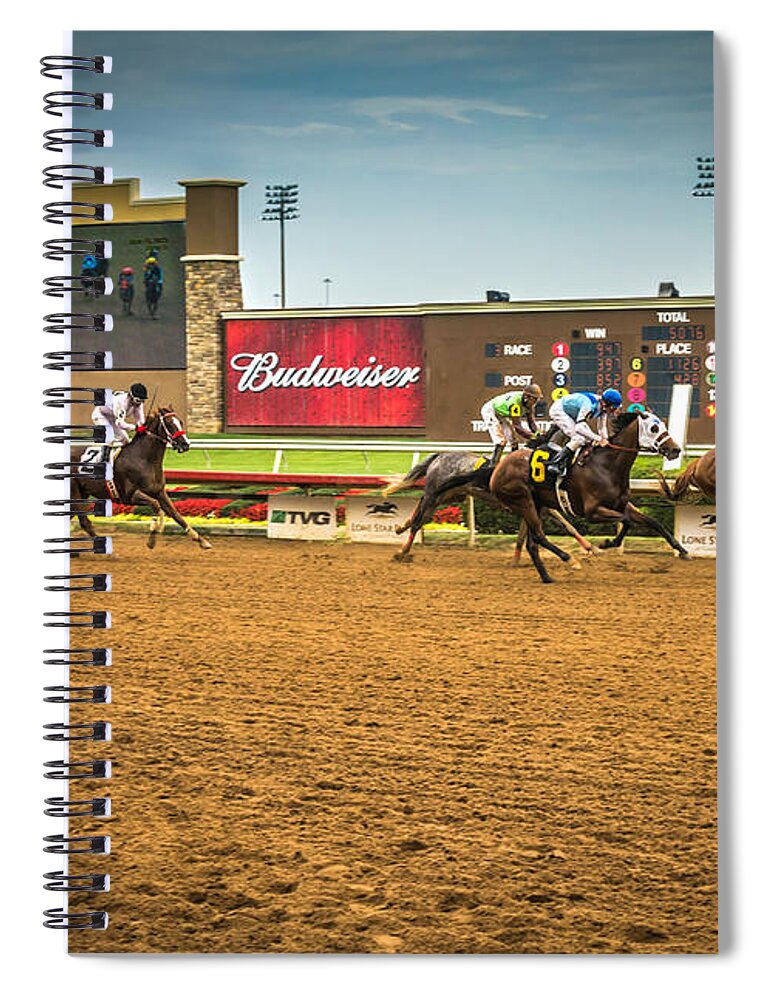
(705, 186)
(281, 202)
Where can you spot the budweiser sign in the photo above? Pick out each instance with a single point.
(325, 372)
(265, 371)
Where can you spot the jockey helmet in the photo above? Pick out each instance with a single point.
(126, 270)
(151, 260)
(612, 397)
(138, 391)
(533, 391)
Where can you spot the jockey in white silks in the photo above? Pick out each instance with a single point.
(571, 413)
(124, 413)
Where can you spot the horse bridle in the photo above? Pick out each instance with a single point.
(660, 436)
(169, 435)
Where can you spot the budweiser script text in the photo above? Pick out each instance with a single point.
(264, 371)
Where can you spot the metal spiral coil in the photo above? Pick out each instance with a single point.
(92, 920)
(97, 657)
(76, 361)
(99, 546)
(74, 731)
(96, 694)
(78, 619)
(101, 583)
(57, 211)
(58, 100)
(66, 173)
(57, 138)
(93, 323)
(62, 882)
(80, 433)
(54, 66)
(70, 808)
(75, 770)
(67, 395)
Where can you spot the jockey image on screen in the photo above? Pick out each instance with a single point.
(503, 414)
(126, 288)
(571, 414)
(125, 406)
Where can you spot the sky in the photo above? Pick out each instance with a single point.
(433, 165)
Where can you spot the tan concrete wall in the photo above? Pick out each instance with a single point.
(127, 204)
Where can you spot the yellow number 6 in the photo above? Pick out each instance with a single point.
(515, 410)
(537, 465)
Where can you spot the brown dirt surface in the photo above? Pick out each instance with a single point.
(318, 749)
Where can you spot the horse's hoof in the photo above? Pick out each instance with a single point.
(575, 564)
(594, 551)
(547, 580)
(403, 557)
(399, 529)
(685, 555)
(151, 541)
(204, 543)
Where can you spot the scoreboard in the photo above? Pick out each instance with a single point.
(642, 348)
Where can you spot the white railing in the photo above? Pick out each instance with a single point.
(361, 445)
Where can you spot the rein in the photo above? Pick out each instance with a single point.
(169, 437)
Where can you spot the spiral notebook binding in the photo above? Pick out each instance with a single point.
(75, 731)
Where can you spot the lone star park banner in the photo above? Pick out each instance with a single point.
(337, 372)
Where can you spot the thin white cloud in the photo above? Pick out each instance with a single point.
(291, 131)
(389, 112)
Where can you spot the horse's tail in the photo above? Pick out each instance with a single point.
(417, 472)
(680, 486)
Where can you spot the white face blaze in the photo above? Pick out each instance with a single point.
(652, 431)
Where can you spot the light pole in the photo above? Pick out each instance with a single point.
(328, 283)
(705, 186)
(281, 207)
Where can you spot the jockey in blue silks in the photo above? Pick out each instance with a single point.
(571, 414)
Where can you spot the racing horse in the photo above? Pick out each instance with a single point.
(599, 488)
(700, 475)
(436, 470)
(138, 476)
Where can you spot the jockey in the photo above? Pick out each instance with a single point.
(152, 272)
(125, 406)
(126, 278)
(502, 418)
(570, 414)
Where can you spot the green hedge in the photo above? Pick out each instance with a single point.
(491, 520)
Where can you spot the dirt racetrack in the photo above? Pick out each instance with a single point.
(317, 749)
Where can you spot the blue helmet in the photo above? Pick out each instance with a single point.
(612, 397)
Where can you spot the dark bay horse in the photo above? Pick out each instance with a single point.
(600, 489)
(436, 470)
(138, 476)
(700, 474)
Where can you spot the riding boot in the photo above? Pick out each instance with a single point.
(561, 462)
(496, 455)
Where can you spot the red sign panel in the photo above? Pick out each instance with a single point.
(364, 371)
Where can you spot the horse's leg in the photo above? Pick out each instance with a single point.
(78, 493)
(536, 538)
(156, 525)
(620, 533)
(638, 517)
(584, 544)
(421, 513)
(165, 502)
(520, 540)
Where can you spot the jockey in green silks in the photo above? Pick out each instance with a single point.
(503, 415)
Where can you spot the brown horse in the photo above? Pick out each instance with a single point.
(138, 476)
(700, 475)
(599, 489)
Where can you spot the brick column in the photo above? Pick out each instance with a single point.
(212, 286)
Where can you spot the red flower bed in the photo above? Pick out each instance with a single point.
(448, 515)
